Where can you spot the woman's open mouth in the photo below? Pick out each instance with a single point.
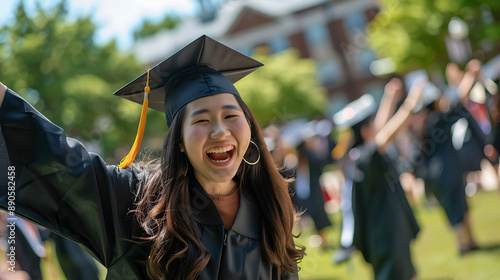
(220, 154)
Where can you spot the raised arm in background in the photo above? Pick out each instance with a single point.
(471, 75)
(395, 125)
(393, 92)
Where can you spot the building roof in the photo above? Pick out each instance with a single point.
(155, 48)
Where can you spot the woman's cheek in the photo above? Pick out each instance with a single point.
(195, 133)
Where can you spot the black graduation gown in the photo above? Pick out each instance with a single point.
(74, 193)
(442, 166)
(314, 205)
(384, 221)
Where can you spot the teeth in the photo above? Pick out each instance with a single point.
(225, 160)
(220, 150)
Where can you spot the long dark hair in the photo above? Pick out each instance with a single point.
(163, 208)
(356, 129)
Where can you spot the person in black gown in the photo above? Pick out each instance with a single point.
(384, 223)
(446, 155)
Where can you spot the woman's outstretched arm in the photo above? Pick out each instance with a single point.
(60, 185)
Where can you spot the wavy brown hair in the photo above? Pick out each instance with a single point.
(164, 211)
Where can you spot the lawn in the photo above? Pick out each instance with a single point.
(435, 254)
(434, 251)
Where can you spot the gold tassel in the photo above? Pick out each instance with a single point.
(127, 160)
(342, 144)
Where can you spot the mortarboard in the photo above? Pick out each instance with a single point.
(430, 93)
(202, 68)
(351, 115)
(355, 112)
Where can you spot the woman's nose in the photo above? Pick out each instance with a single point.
(219, 130)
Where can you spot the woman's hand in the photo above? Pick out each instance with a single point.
(2, 93)
(393, 92)
(414, 95)
(399, 120)
(474, 67)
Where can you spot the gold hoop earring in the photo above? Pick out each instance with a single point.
(253, 163)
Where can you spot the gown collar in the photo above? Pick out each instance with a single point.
(247, 221)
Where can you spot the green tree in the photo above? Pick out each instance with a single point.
(56, 65)
(286, 88)
(149, 27)
(413, 32)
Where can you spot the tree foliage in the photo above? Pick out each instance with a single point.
(413, 32)
(285, 88)
(150, 27)
(56, 65)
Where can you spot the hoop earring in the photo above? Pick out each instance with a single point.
(258, 159)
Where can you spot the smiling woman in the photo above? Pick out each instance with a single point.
(213, 207)
(216, 136)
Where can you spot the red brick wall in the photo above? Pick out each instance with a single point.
(298, 41)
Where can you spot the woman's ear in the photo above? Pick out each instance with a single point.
(181, 146)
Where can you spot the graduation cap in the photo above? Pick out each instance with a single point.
(202, 68)
(355, 112)
(351, 115)
(430, 93)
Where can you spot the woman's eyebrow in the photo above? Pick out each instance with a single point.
(202, 111)
(198, 112)
(232, 107)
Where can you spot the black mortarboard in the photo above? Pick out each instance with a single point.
(189, 74)
(204, 67)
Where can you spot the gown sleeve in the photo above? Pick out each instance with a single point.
(61, 186)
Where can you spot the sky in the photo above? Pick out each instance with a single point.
(114, 18)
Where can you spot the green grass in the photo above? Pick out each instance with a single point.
(435, 254)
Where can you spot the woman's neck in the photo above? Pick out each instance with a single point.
(219, 188)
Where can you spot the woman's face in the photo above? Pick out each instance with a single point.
(215, 135)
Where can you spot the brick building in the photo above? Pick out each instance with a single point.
(331, 32)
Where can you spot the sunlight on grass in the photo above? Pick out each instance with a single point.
(435, 254)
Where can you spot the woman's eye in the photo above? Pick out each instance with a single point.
(201, 121)
(231, 116)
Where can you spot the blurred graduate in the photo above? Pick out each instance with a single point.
(452, 144)
(383, 223)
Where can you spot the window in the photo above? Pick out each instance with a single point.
(365, 57)
(316, 36)
(354, 22)
(278, 44)
(329, 71)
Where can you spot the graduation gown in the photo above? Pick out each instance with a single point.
(384, 221)
(63, 187)
(314, 204)
(443, 166)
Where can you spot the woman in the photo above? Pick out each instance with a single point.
(313, 155)
(384, 223)
(214, 207)
(446, 154)
(393, 93)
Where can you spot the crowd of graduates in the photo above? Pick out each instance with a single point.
(383, 151)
